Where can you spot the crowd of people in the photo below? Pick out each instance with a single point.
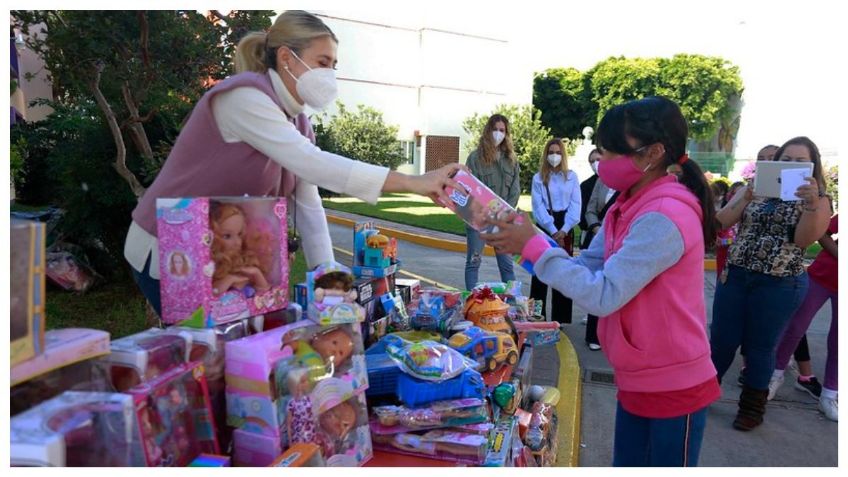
(643, 309)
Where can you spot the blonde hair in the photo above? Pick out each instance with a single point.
(545, 168)
(295, 29)
(488, 151)
(226, 263)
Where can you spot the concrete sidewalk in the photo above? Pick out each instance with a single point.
(794, 432)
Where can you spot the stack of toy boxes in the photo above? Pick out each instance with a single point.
(207, 279)
(141, 357)
(67, 364)
(78, 429)
(301, 383)
(27, 290)
(369, 292)
(374, 254)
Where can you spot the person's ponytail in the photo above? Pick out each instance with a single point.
(694, 179)
(250, 53)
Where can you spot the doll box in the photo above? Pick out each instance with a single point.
(143, 356)
(175, 417)
(331, 298)
(27, 291)
(62, 347)
(479, 204)
(343, 434)
(243, 272)
(89, 429)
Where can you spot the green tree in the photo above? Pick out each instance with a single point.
(362, 135)
(708, 90)
(528, 137)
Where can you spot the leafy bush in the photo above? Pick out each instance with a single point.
(528, 137)
(362, 135)
(831, 175)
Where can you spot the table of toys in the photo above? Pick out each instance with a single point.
(361, 367)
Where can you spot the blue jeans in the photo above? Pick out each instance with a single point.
(474, 254)
(752, 310)
(654, 442)
(149, 286)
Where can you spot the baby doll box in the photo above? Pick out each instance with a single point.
(210, 277)
(90, 429)
(63, 347)
(342, 432)
(331, 298)
(175, 417)
(479, 204)
(143, 356)
(26, 295)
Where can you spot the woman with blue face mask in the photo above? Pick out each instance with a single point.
(641, 276)
(495, 164)
(249, 135)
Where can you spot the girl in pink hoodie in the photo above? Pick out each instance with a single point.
(642, 275)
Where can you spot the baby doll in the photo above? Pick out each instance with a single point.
(239, 261)
(299, 417)
(333, 288)
(336, 424)
(334, 345)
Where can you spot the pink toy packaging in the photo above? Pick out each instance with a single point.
(340, 429)
(442, 444)
(479, 204)
(254, 450)
(175, 417)
(143, 356)
(26, 295)
(221, 259)
(89, 429)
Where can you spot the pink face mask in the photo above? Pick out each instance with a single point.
(619, 173)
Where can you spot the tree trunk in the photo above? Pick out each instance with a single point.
(120, 164)
(136, 127)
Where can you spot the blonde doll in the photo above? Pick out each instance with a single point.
(241, 260)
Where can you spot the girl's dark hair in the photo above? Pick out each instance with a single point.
(815, 156)
(658, 119)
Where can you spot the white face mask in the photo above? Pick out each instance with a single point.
(554, 159)
(498, 137)
(594, 166)
(317, 87)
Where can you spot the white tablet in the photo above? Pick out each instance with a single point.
(780, 179)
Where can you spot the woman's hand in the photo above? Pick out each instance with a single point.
(809, 193)
(511, 236)
(432, 184)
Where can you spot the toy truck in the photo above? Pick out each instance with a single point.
(489, 349)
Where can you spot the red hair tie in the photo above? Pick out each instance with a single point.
(683, 159)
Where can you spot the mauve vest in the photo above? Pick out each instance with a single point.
(201, 164)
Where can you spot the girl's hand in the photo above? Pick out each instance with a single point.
(809, 192)
(510, 237)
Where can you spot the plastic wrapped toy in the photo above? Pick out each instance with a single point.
(443, 444)
(489, 349)
(143, 356)
(342, 432)
(427, 360)
(331, 297)
(89, 429)
(486, 310)
(441, 414)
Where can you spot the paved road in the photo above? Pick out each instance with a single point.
(794, 433)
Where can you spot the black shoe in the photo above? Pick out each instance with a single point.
(812, 387)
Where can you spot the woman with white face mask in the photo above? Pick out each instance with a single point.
(495, 164)
(248, 135)
(556, 209)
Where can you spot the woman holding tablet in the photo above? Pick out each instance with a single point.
(764, 281)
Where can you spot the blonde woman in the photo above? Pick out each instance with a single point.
(249, 135)
(556, 210)
(495, 164)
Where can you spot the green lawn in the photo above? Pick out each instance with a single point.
(409, 209)
(116, 307)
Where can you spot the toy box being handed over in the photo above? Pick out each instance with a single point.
(221, 259)
(479, 204)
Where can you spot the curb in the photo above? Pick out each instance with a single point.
(570, 404)
(450, 245)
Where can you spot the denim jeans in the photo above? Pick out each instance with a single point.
(149, 286)
(653, 442)
(752, 310)
(474, 255)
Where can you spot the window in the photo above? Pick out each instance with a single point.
(407, 150)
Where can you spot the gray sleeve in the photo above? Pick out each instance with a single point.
(593, 210)
(593, 257)
(605, 290)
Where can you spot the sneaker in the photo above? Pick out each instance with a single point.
(812, 387)
(774, 384)
(830, 408)
(594, 346)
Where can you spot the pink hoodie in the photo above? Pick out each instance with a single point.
(658, 342)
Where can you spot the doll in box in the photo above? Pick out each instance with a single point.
(242, 257)
(336, 425)
(299, 416)
(326, 352)
(333, 288)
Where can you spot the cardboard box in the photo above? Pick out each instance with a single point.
(203, 277)
(374, 255)
(300, 455)
(63, 348)
(27, 293)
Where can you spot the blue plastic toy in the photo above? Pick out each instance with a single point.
(416, 392)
